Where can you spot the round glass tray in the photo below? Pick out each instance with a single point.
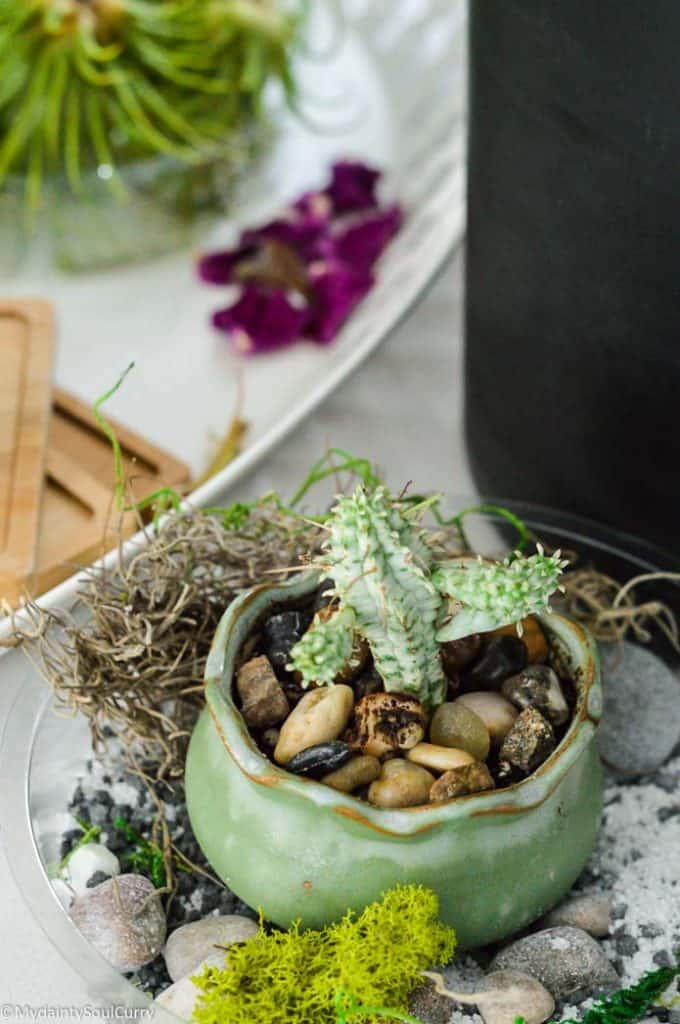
(42, 755)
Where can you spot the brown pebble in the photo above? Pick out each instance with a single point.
(458, 655)
(469, 778)
(263, 702)
(384, 723)
(533, 636)
(401, 784)
(455, 725)
(440, 759)
(530, 741)
(538, 687)
(497, 713)
(360, 771)
(320, 716)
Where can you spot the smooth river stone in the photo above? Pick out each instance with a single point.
(190, 944)
(641, 719)
(123, 919)
(565, 960)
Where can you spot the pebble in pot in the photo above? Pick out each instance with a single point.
(401, 784)
(263, 702)
(533, 638)
(495, 711)
(565, 960)
(321, 715)
(89, 861)
(530, 741)
(455, 725)
(457, 655)
(469, 778)
(320, 759)
(537, 686)
(503, 656)
(190, 944)
(123, 919)
(360, 771)
(386, 722)
(280, 633)
(440, 759)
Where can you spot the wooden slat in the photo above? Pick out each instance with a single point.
(79, 520)
(26, 343)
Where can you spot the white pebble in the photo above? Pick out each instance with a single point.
(88, 860)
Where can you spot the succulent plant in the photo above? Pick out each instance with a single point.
(96, 83)
(390, 589)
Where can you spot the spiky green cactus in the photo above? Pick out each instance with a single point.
(392, 592)
(495, 595)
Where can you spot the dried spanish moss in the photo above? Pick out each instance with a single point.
(613, 611)
(136, 664)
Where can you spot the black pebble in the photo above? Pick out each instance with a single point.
(280, 633)
(503, 656)
(320, 759)
(368, 682)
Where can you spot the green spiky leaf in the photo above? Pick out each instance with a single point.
(491, 595)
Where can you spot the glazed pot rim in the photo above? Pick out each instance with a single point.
(237, 623)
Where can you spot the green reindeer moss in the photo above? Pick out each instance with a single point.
(391, 591)
(306, 976)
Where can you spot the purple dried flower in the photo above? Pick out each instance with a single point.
(337, 289)
(304, 272)
(362, 242)
(352, 186)
(262, 320)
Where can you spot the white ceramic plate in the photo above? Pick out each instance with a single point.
(394, 94)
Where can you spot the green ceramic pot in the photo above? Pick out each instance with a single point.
(297, 849)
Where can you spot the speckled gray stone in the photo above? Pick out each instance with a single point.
(641, 718)
(123, 919)
(565, 960)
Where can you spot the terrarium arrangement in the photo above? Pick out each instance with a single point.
(405, 672)
(120, 121)
(392, 755)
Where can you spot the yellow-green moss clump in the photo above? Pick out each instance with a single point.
(293, 977)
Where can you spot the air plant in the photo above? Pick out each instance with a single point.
(389, 589)
(96, 83)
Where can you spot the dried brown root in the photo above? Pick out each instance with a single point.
(613, 612)
(132, 654)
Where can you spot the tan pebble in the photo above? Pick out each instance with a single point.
(533, 636)
(384, 723)
(591, 912)
(263, 702)
(469, 778)
(401, 784)
(455, 725)
(503, 996)
(360, 771)
(497, 713)
(442, 759)
(320, 716)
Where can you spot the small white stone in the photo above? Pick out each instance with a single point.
(86, 861)
(190, 944)
(181, 997)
